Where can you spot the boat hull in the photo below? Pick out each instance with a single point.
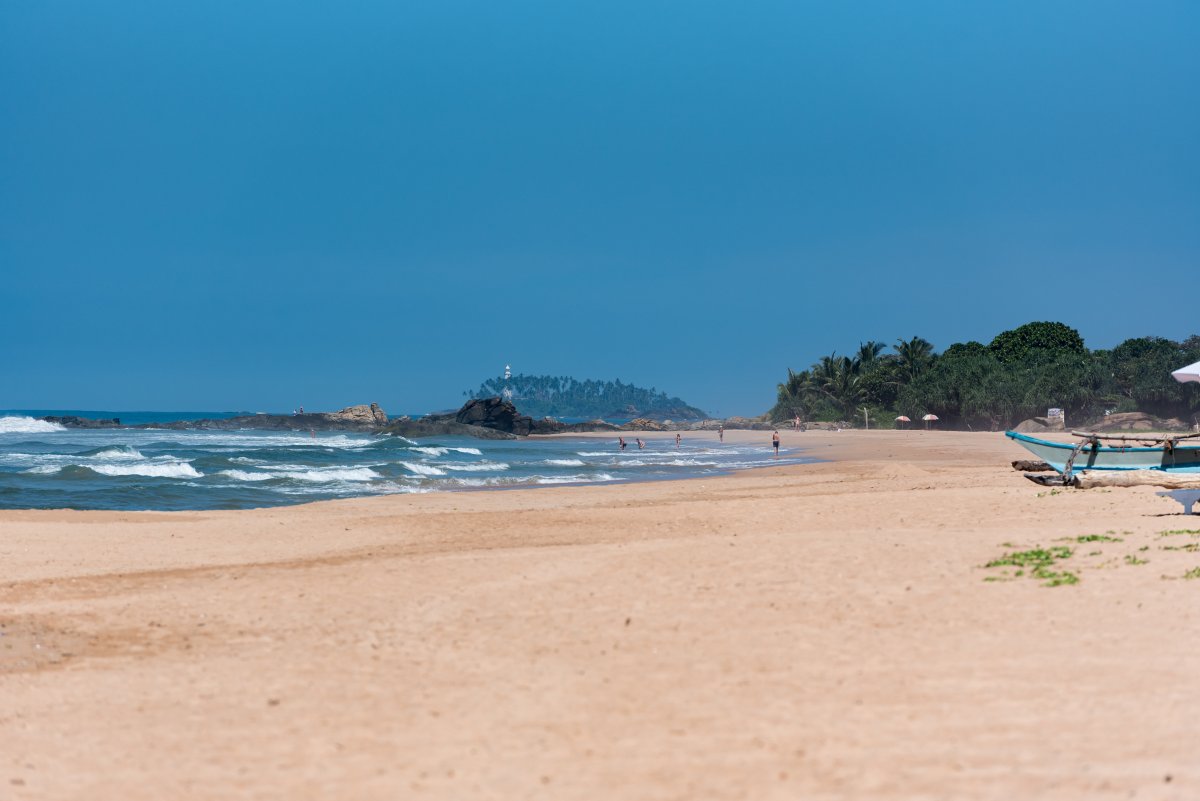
(1181, 459)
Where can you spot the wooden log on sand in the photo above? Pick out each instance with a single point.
(1090, 479)
(1031, 466)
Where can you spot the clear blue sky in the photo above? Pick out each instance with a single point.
(261, 205)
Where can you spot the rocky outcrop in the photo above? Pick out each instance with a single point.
(644, 424)
(1038, 425)
(364, 417)
(486, 418)
(71, 421)
(440, 426)
(494, 413)
(1137, 421)
(750, 423)
(361, 415)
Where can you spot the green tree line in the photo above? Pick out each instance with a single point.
(563, 396)
(1019, 374)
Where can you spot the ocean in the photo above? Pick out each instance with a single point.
(46, 466)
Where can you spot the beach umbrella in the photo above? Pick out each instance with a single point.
(929, 418)
(903, 419)
(1189, 373)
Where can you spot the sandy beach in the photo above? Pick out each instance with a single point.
(818, 631)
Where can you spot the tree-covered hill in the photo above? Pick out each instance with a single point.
(562, 396)
(1019, 374)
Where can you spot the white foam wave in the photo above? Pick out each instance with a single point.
(478, 482)
(564, 462)
(333, 474)
(474, 467)
(576, 479)
(151, 470)
(597, 453)
(242, 475)
(45, 470)
(27, 425)
(424, 469)
(442, 450)
(123, 453)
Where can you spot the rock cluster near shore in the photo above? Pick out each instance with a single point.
(71, 421)
(483, 418)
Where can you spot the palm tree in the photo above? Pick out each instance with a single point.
(915, 356)
(867, 351)
(837, 377)
(791, 394)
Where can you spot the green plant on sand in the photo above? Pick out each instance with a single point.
(1039, 561)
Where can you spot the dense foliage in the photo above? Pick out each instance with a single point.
(562, 396)
(1020, 374)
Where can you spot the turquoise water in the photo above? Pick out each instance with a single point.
(43, 466)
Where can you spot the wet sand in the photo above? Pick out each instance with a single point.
(817, 631)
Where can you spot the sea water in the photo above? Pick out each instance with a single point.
(46, 466)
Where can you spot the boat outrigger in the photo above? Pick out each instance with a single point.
(1146, 452)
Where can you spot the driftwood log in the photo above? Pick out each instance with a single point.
(1090, 479)
(1046, 479)
(1031, 466)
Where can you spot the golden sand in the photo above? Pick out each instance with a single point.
(806, 632)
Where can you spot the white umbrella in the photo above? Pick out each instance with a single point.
(929, 418)
(903, 419)
(1189, 373)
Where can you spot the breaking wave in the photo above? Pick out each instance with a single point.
(150, 470)
(27, 425)
(333, 474)
(424, 469)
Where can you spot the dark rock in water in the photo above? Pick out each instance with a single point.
(362, 414)
(494, 413)
(645, 424)
(490, 418)
(752, 424)
(364, 418)
(440, 426)
(71, 421)
(549, 425)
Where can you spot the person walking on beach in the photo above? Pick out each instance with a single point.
(721, 433)
(775, 443)
(621, 442)
(796, 423)
(678, 439)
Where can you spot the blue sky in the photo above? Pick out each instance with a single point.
(262, 205)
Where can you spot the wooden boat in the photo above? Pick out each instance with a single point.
(1155, 452)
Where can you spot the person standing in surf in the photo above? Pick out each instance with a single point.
(721, 433)
(775, 443)
(678, 439)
